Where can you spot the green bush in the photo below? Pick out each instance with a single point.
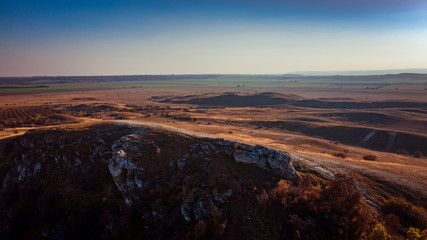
(379, 233)
(416, 234)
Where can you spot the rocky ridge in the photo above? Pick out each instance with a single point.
(164, 180)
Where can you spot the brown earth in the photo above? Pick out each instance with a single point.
(325, 130)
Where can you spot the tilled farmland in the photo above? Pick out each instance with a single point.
(22, 115)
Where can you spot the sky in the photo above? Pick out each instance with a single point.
(124, 37)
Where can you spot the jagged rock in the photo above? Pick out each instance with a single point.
(197, 205)
(202, 208)
(186, 212)
(247, 157)
(22, 172)
(222, 198)
(172, 164)
(37, 169)
(220, 141)
(264, 157)
(118, 171)
(180, 163)
(100, 140)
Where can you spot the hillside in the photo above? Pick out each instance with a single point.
(109, 181)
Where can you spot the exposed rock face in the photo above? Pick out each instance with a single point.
(125, 173)
(265, 158)
(95, 179)
(197, 205)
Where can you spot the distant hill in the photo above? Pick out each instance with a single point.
(361, 72)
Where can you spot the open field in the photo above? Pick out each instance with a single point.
(395, 82)
(375, 132)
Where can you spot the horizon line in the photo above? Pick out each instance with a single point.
(302, 73)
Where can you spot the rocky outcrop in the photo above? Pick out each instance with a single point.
(265, 158)
(125, 173)
(103, 176)
(128, 176)
(197, 205)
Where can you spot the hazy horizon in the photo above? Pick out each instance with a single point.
(302, 73)
(49, 38)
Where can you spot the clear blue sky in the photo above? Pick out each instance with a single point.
(207, 36)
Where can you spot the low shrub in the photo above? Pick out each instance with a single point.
(334, 211)
(342, 155)
(402, 151)
(379, 233)
(416, 234)
(409, 215)
(370, 157)
(391, 223)
(418, 154)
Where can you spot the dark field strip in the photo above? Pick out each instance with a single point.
(19, 114)
(27, 114)
(31, 111)
(357, 105)
(4, 115)
(23, 113)
(44, 111)
(8, 114)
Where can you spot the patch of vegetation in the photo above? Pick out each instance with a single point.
(391, 223)
(342, 155)
(416, 234)
(418, 154)
(333, 211)
(409, 215)
(379, 233)
(402, 151)
(370, 157)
